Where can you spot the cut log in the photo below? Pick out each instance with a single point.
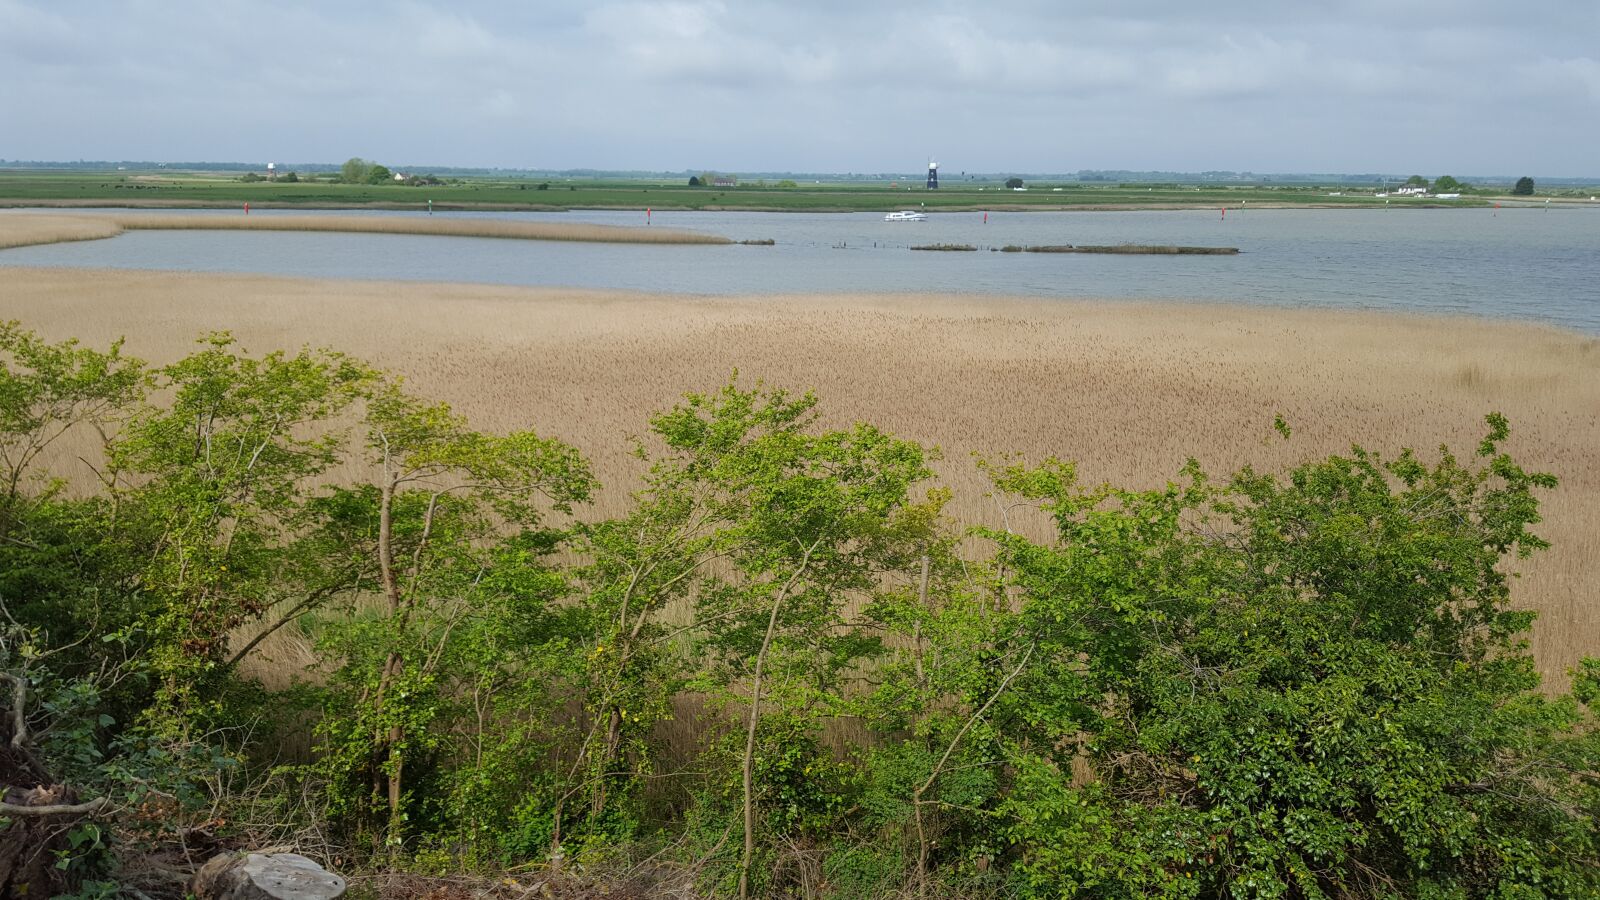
(40, 820)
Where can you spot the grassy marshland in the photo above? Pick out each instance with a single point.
(529, 231)
(1126, 389)
(169, 188)
(26, 230)
(20, 230)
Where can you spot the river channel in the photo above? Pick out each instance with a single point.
(1530, 264)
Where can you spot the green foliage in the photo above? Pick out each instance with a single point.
(452, 533)
(1013, 183)
(1445, 184)
(379, 175)
(1523, 187)
(58, 564)
(355, 170)
(1416, 181)
(216, 476)
(1301, 684)
(45, 390)
(863, 871)
(802, 522)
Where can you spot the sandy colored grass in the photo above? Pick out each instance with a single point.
(26, 230)
(428, 225)
(1127, 389)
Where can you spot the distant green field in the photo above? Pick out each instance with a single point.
(166, 188)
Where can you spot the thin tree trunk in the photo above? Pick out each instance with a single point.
(755, 718)
(916, 624)
(391, 584)
(613, 741)
(294, 612)
(392, 665)
(916, 798)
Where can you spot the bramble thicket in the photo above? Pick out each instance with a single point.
(783, 672)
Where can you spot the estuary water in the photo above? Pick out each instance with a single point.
(1531, 264)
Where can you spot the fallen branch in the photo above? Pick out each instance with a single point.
(58, 809)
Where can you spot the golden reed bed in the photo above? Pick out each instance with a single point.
(22, 229)
(1127, 389)
(18, 230)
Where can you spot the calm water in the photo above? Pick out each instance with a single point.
(1515, 263)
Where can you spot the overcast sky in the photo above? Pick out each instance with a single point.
(1427, 86)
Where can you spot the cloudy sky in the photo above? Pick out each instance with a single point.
(1428, 86)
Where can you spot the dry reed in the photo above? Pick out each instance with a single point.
(1127, 389)
(22, 229)
(17, 230)
(422, 225)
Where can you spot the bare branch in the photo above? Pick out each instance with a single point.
(75, 809)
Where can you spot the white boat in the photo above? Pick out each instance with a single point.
(905, 215)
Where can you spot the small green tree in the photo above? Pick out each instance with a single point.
(1013, 183)
(806, 521)
(954, 650)
(453, 516)
(1446, 184)
(1416, 181)
(355, 170)
(694, 181)
(1523, 187)
(46, 390)
(379, 175)
(217, 474)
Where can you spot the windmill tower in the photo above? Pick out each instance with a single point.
(933, 175)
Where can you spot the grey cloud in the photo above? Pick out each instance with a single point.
(825, 85)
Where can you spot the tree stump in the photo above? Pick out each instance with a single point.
(281, 876)
(30, 845)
